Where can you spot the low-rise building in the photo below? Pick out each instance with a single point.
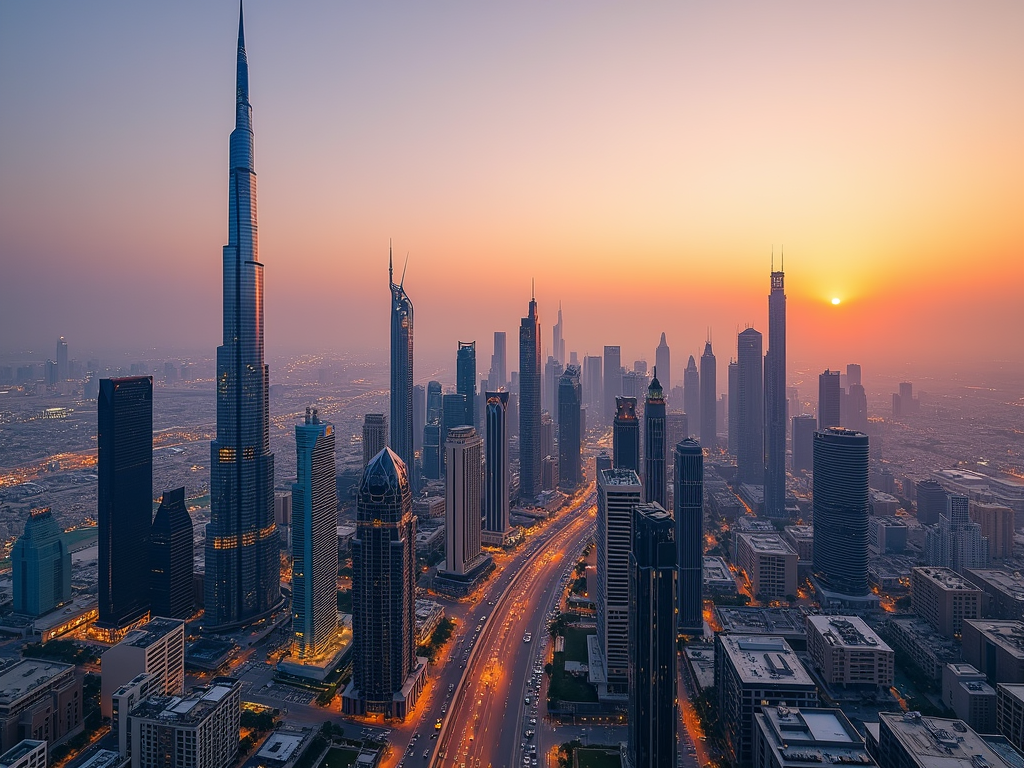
(718, 579)
(428, 615)
(848, 653)
(28, 753)
(788, 623)
(908, 740)
(1010, 712)
(888, 535)
(769, 562)
(1003, 592)
(124, 700)
(944, 599)
(995, 648)
(801, 538)
(787, 737)
(158, 648)
(39, 700)
(283, 747)
(965, 691)
(924, 647)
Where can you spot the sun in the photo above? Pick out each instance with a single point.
(835, 300)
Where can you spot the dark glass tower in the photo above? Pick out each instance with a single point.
(401, 368)
(708, 395)
(570, 395)
(529, 404)
(243, 567)
(931, 501)
(803, 442)
(841, 508)
(434, 402)
(612, 380)
(496, 501)
(775, 401)
(465, 379)
(655, 479)
(733, 405)
(750, 408)
(689, 518)
(829, 400)
(170, 558)
(498, 378)
(653, 710)
(626, 435)
(691, 396)
(125, 467)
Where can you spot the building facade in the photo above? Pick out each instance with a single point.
(691, 395)
(463, 495)
(612, 380)
(655, 445)
(497, 480)
(401, 366)
(626, 435)
(39, 700)
(708, 399)
(157, 648)
(570, 431)
(465, 379)
(848, 653)
(944, 599)
(769, 562)
(775, 401)
(750, 408)
(375, 435)
(530, 455)
(40, 565)
(171, 556)
(688, 499)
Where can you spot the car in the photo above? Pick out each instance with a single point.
(527, 637)
(527, 700)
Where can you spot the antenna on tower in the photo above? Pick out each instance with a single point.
(783, 258)
(773, 257)
(391, 264)
(402, 284)
(533, 289)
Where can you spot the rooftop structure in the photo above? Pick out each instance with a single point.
(908, 739)
(1004, 592)
(29, 753)
(996, 648)
(788, 623)
(849, 653)
(717, 576)
(944, 598)
(787, 737)
(927, 648)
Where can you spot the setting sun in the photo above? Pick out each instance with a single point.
(835, 300)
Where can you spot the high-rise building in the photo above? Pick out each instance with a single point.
(433, 456)
(557, 340)
(171, 554)
(243, 565)
(996, 521)
(676, 429)
(775, 401)
(653, 709)
(156, 648)
(750, 408)
(841, 508)
(708, 395)
(618, 491)
(463, 495)
(691, 395)
(529, 404)
(419, 417)
(956, 542)
(386, 675)
(125, 467)
(857, 408)
(62, 360)
(375, 435)
(593, 387)
(733, 406)
(498, 378)
(612, 384)
(931, 501)
(401, 366)
(944, 598)
(663, 362)
(853, 374)
(496, 496)
(570, 470)
(314, 537)
(552, 372)
(828, 400)
(40, 565)
(453, 412)
(433, 402)
(626, 435)
(655, 446)
(804, 427)
(689, 520)
(465, 379)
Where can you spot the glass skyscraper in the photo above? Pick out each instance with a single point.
(750, 408)
(401, 368)
(465, 379)
(570, 397)
(170, 560)
(40, 565)
(243, 568)
(775, 401)
(626, 435)
(689, 520)
(655, 479)
(529, 404)
(496, 501)
(708, 399)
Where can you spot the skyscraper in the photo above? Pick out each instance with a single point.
(653, 709)
(828, 400)
(857, 408)
(803, 442)
(465, 379)
(433, 456)
(401, 367)
(62, 360)
(663, 362)
(499, 367)
(750, 408)
(40, 565)
(552, 373)
(626, 435)
(496, 500)
(434, 402)
(775, 401)
(124, 440)
(419, 416)
(691, 396)
(689, 521)
(243, 567)
(453, 412)
(171, 553)
(957, 542)
(708, 395)
(557, 342)
(612, 380)
(386, 675)
(529, 404)
(655, 478)
(841, 508)
(593, 387)
(375, 435)
(733, 406)
(463, 494)
(314, 537)
(853, 374)
(570, 473)
(931, 501)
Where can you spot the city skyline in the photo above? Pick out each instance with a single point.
(829, 177)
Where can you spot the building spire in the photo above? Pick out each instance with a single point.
(391, 264)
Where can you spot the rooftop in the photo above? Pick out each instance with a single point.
(190, 709)
(103, 758)
(1008, 635)
(764, 660)
(946, 578)
(767, 543)
(812, 736)
(26, 675)
(847, 632)
(1011, 584)
(281, 745)
(19, 750)
(153, 632)
(800, 531)
(941, 743)
(716, 570)
(753, 620)
(619, 477)
(1015, 690)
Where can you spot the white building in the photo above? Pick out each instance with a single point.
(157, 648)
(848, 652)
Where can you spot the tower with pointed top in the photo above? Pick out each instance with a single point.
(401, 368)
(691, 395)
(708, 399)
(750, 408)
(529, 404)
(557, 341)
(663, 362)
(775, 401)
(243, 569)
(655, 479)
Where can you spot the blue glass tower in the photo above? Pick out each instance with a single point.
(243, 569)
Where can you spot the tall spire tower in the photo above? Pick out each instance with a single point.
(775, 400)
(529, 404)
(243, 568)
(401, 369)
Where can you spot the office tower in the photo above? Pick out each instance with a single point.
(945, 599)
(463, 452)
(243, 566)
(904, 403)
(689, 521)
(593, 388)
(157, 648)
(570, 470)
(419, 416)
(386, 676)
(171, 553)
(775, 401)
(626, 435)
(433, 457)
(804, 427)
(931, 501)
(499, 367)
(793, 404)
(552, 372)
(841, 509)
(618, 491)
(314, 537)
(733, 407)
(465, 379)
(557, 342)
(40, 565)
(996, 521)
(853, 375)
(375, 435)
(125, 467)
(663, 362)
(529, 404)
(433, 402)
(653, 709)
(634, 384)
(691, 395)
(453, 412)
(496, 499)
(769, 562)
(956, 542)
(676, 430)
(708, 382)
(655, 447)
(857, 408)
(750, 408)
(828, 400)
(401, 366)
(62, 360)
(612, 385)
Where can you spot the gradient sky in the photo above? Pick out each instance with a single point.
(640, 161)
